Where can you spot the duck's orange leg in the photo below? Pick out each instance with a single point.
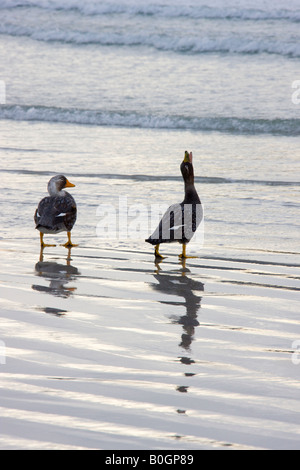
(42, 241)
(157, 253)
(69, 243)
(183, 254)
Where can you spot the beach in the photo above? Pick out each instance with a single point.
(102, 346)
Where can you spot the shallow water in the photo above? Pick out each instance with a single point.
(112, 351)
(106, 349)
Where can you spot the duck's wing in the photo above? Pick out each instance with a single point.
(179, 223)
(56, 213)
(170, 226)
(66, 211)
(43, 213)
(193, 216)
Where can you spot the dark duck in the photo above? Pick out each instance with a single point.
(181, 220)
(56, 212)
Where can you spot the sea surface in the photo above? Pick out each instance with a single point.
(101, 347)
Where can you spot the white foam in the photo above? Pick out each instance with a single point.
(252, 10)
(192, 43)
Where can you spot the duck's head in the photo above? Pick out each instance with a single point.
(57, 184)
(187, 169)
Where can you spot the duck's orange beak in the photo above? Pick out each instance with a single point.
(188, 157)
(69, 185)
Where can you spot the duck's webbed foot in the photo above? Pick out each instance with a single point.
(157, 253)
(69, 243)
(44, 245)
(183, 254)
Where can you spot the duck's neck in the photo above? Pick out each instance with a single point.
(57, 193)
(54, 191)
(191, 195)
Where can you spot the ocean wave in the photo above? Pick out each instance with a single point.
(193, 11)
(186, 44)
(233, 125)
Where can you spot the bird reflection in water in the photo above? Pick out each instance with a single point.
(58, 275)
(179, 284)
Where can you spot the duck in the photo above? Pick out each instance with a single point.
(57, 212)
(181, 220)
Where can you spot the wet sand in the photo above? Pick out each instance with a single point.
(101, 348)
